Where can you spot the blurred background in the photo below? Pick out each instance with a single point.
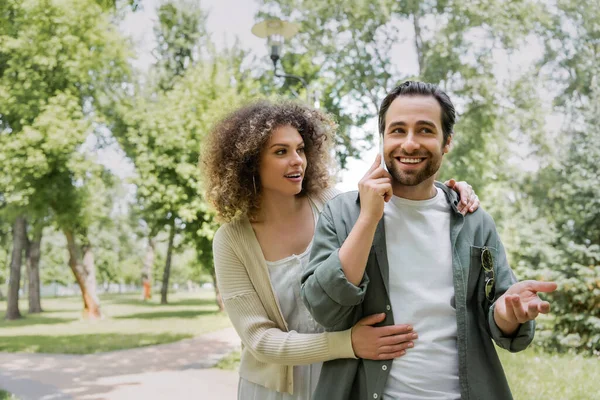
(104, 106)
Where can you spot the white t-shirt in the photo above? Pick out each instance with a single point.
(421, 292)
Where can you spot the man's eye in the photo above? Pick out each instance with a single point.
(397, 130)
(426, 130)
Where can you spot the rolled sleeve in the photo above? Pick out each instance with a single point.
(332, 280)
(517, 341)
(505, 278)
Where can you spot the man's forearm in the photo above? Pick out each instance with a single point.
(354, 253)
(507, 328)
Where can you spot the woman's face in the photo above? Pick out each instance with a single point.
(283, 162)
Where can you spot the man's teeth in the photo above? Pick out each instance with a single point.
(411, 160)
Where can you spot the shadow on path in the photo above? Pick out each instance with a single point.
(131, 372)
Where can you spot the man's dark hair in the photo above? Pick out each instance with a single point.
(413, 88)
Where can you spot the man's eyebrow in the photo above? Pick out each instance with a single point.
(396, 123)
(428, 123)
(420, 122)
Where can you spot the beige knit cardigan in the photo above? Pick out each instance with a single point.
(269, 349)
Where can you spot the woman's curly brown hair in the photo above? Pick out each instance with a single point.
(231, 154)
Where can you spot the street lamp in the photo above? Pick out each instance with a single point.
(276, 32)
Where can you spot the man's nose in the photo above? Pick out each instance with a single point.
(411, 143)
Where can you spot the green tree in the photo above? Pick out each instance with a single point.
(557, 211)
(347, 53)
(164, 140)
(59, 60)
(162, 128)
(556, 235)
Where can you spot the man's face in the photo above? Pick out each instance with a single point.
(413, 142)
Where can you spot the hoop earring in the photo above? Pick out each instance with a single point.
(254, 184)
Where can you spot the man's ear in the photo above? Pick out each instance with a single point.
(448, 145)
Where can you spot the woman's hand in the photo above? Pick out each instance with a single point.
(381, 343)
(469, 201)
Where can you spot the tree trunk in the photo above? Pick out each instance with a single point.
(147, 269)
(14, 282)
(167, 272)
(81, 262)
(419, 43)
(33, 272)
(218, 297)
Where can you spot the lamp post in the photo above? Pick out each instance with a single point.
(276, 32)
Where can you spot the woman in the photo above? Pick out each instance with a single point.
(266, 172)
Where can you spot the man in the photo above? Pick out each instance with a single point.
(401, 247)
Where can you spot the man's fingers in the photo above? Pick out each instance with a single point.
(533, 309)
(509, 309)
(383, 189)
(376, 164)
(541, 286)
(520, 313)
(544, 307)
(379, 181)
(378, 173)
(371, 319)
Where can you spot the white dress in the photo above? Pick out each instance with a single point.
(285, 278)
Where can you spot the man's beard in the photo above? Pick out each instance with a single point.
(413, 178)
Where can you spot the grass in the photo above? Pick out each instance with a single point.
(128, 322)
(230, 362)
(535, 375)
(532, 375)
(7, 396)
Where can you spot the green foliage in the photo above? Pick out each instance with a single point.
(165, 139)
(351, 53)
(4, 395)
(162, 127)
(556, 229)
(59, 60)
(54, 259)
(558, 238)
(181, 39)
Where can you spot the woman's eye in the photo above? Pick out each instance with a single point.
(280, 152)
(301, 150)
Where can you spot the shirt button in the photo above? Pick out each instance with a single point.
(375, 395)
(388, 307)
(384, 367)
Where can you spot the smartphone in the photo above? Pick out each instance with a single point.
(381, 152)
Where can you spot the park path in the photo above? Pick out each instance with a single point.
(180, 370)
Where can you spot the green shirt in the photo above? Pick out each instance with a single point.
(338, 304)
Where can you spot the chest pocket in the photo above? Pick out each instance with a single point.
(480, 277)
